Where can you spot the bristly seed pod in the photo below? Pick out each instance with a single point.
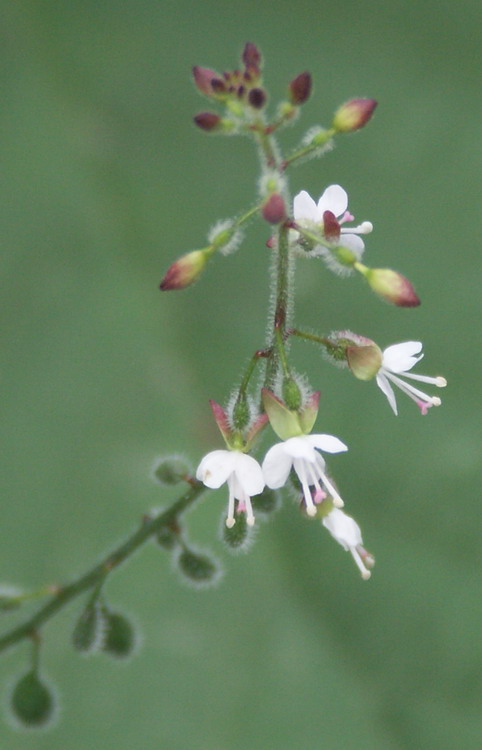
(32, 702)
(119, 635)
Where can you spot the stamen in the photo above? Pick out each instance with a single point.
(249, 511)
(300, 466)
(439, 381)
(436, 401)
(364, 228)
(365, 574)
(411, 391)
(230, 520)
(347, 216)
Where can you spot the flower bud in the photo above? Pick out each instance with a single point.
(291, 394)
(184, 270)
(32, 701)
(257, 98)
(208, 121)
(203, 78)
(392, 286)
(364, 361)
(251, 56)
(88, 633)
(353, 115)
(171, 470)
(300, 88)
(120, 636)
(274, 209)
(197, 569)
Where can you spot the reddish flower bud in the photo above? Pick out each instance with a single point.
(353, 115)
(251, 55)
(300, 88)
(274, 209)
(392, 286)
(203, 78)
(207, 121)
(257, 98)
(184, 270)
(331, 227)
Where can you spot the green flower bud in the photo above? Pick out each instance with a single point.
(171, 470)
(32, 702)
(291, 393)
(120, 638)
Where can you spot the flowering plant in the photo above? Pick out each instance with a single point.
(281, 400)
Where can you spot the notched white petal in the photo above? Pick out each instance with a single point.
(215, 468)
(328, 443)
(402, 357)
(276, 466)
(334, 199)
(304, 207)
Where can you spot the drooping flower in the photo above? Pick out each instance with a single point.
(301, 454)
(346, 531)
(397, 360)
(243, 475)
(330, 213)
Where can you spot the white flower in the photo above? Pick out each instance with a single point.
(347, 533)
(243, 475)
(334, 199)
(398, 360)
(299, 452)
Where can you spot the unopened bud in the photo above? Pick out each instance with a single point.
(119, 638)
(257, 98)
(364, 361)
(198, 569)
(241, 412)
(171, 470)
(185, 270)
(274, 209)
(391, 285)
(353, 115)
(207, 121)
(32, 701)
(300, 88)
(203, 78)
(251, 56)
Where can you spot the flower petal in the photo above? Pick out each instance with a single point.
(387, 389)
(353, 242)
(276, 466)
(343, 528)
(300, 447)
(401, 357)
(249, 474)
(215, 468)
(304, 207)
(328, 443)
(333, 199)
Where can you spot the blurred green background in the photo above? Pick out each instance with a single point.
(104, 182)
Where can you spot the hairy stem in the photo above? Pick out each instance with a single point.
(101, 570)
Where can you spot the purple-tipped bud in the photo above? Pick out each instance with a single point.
(184, 270)
(208, 121)
(300, 88)
(353, 115)
(203, 78)
(274, 209)
(257, 98)
(331, 226)
(251, 55)
(392, 286)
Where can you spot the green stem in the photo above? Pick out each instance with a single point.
(96, 574)
(304, 151)
(282, 280)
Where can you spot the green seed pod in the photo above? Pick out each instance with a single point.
(88, 633)
(266, 502)
(119, 639)
(236, 536)
(171, 470)
(32, 702)
(167, 537)
(198, 569)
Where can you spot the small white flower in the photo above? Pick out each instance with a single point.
(346, 531)
(300, 453)
(243, 475)
(334, 199)
(397, 360)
